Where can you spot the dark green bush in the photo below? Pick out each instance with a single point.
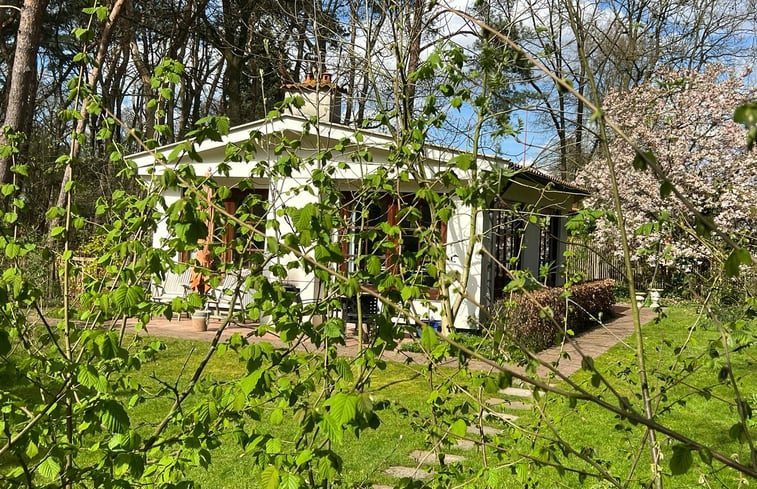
(538, 320)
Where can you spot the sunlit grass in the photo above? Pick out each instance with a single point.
(615, 443)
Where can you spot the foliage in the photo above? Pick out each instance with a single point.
(683, 120)
(697, 406)
(84, 404)
(536, 320)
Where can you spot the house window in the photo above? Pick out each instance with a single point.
(392, 229)
(251, 207)
(363, 236)
(548, 247)
(506, 238)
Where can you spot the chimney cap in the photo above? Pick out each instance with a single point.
(325, 83)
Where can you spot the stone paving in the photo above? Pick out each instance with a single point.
(595, 342)
(592, 343)
(509, 404)
(411, 472)
(487, 430)
(516, 392)
(427, 457)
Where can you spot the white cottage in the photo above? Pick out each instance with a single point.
(499, 239)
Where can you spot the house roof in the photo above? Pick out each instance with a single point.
(333, 133)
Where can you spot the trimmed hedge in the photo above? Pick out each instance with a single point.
(521, 318)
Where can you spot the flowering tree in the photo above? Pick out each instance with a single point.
(684, 120)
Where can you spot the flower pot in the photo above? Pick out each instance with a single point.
(654, 296)
(640, 298)
(200, 321)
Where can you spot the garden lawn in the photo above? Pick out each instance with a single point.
(364, 459)
(688, 397)
(684, 381)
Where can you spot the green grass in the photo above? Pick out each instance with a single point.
(585, 426)
(681, 404)
(364, 458)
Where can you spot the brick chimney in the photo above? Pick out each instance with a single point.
(323, 98)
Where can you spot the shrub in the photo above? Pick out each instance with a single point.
(538, 321)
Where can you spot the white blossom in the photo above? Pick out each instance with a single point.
(686, 120)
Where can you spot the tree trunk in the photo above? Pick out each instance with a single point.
(414, 12)
(94, 74)
(23, 85)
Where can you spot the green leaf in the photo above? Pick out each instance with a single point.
(88, 376)
(666, 188)
(738, 257)
(101, 12)
(458, 428)
(332, 428)
(408, 292)
(428, 338)
(681, 460)
(12, 250)
(736, 432)
(641, 159)
(277, 416)
(462, 161)
(751, 138)
(269, 478)
(125, 297)
(290, 481)
(373, 265)
(32, 449)
(705, 455)
(49, 468)
(343, 367)
(5, 343)
(746, 114)
(20, 169)
(332, 329)
(304, 457)
(121, 464)
(114, 416)
(646, 229)
(54, 212)
(250, 382)
(7, 189)
(343, 407)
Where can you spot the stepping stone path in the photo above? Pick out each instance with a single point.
(411, 472)
(424, 457)
(516, 392)
(510, 404)
(430, 458)
(521, 406)
(503, 416)
(465, 444)
(488, 430)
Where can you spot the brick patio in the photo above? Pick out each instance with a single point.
(592, 343)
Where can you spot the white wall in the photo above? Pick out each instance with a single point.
(161, 233)
(459, 230)
(284, 192)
